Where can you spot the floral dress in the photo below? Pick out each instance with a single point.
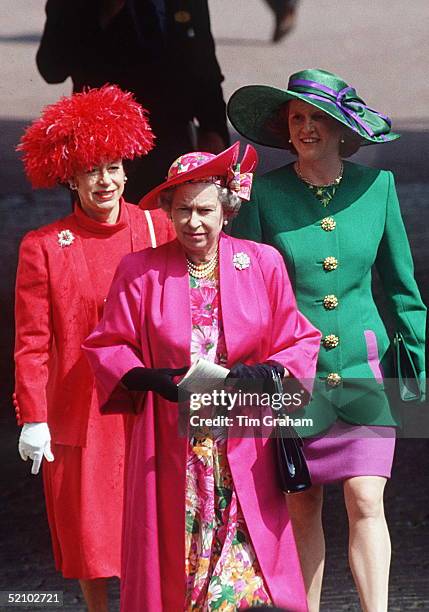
(221, 567)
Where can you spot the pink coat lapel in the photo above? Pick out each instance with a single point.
(239, 312)
(170, 321)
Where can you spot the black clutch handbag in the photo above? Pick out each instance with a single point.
(292, 468)
(408, 380)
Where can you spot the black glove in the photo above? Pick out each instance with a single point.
(159, 380)
(260, 373)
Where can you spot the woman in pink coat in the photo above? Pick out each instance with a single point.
(205, 525)
(65, 270)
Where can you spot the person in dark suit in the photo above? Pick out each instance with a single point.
(161, 50)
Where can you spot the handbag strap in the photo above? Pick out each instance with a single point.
(277, 381)
(289, 430)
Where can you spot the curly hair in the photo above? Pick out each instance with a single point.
(229, 200)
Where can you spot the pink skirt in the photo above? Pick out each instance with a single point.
(347, 450)
(84, 496)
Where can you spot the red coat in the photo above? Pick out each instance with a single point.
(55, 310)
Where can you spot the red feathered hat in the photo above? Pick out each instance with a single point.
(83, 130)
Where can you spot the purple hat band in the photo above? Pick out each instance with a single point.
(340, 102)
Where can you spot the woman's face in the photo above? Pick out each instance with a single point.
(100, 189)
(197, 216)
(314, 134)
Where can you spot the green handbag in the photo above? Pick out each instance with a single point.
(408, 380)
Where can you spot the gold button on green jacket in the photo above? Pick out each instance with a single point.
(367, 229)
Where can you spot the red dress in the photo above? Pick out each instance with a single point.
(57, 303)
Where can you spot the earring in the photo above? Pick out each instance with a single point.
(342, 140)
(225, 222)
(290, 141)
(72, 186)
(125, 179)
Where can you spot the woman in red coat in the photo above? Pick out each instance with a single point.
(64, 272)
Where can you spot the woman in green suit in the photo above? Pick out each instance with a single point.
(332, 220)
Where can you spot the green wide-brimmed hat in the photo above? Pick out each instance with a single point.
(253, 109)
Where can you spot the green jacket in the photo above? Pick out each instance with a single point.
(361, 226)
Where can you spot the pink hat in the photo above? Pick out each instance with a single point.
(223, 169)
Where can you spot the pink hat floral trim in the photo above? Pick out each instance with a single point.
(240, 183)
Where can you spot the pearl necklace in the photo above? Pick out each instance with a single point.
(205, 269)
(336, 181)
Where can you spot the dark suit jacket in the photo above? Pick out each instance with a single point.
(171, 67)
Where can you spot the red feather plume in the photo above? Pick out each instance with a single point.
(81, 131)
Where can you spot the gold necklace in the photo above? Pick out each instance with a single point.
(336, 181)
(203, 270)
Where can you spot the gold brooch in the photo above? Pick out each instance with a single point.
(330, 263)
(330, 302)
(328, 224)
(331, 341)
(333, 379)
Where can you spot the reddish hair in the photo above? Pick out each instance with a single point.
(278, 125)
(81, 131)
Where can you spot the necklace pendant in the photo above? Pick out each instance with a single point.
(334, 183)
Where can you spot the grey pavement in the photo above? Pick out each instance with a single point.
(381, 47)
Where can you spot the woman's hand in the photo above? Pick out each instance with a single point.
(35, 443)
(256, 375)
(259, 370)
(159, 380)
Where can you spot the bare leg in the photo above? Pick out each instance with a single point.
(369, 542)
(95, 594)
(305, 510)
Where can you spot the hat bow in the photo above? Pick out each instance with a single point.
(349, 103)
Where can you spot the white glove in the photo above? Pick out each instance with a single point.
(35, 443)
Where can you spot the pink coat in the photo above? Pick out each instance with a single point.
(147, 321)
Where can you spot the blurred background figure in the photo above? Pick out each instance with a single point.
(161, 50)
(285, 17)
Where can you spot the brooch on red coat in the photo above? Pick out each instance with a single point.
(65, 238)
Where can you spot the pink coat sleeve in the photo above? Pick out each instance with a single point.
(114, 347)
(295, 342)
